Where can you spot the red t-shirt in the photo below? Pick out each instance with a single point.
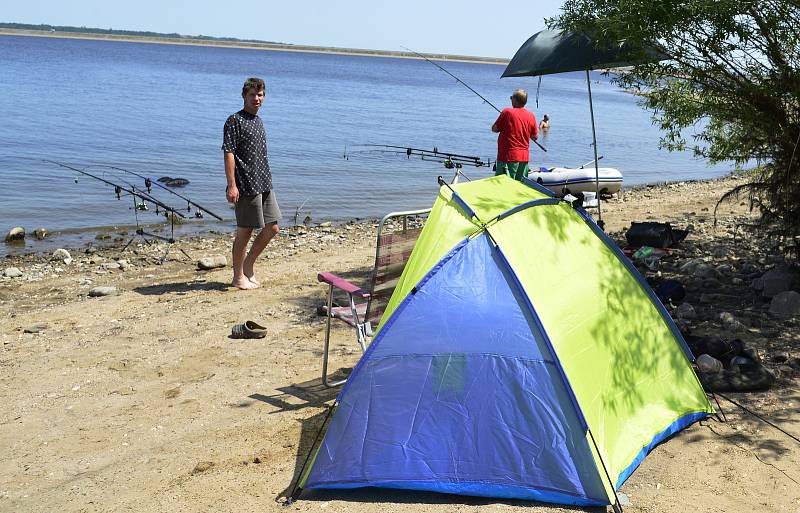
(517, 126)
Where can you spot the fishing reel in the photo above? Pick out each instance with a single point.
(140, 199)
(449, 164)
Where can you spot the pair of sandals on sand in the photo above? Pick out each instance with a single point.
(248, 329)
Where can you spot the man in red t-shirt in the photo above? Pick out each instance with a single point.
(516, 126)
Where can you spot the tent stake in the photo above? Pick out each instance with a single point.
(723, 418)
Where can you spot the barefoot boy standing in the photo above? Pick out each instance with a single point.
(249, 183)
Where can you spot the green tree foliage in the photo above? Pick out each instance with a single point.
(731, 79)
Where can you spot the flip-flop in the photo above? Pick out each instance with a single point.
(249, 329)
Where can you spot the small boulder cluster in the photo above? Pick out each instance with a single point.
(735, 302)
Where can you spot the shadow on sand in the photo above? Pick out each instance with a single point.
(297, 396)
(181, 287)
(385, 495)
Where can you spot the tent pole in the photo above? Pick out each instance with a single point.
(617, 507)
(594, 146)
(297, 489)
(562, 373)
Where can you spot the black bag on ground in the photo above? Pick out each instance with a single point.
(670, 291)
(657, 235)
(722, 350)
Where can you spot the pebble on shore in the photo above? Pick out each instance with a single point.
(212, 262)
(12, 272)
(103, 291)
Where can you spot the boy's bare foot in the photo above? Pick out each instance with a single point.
(244, 284)
(250, 274)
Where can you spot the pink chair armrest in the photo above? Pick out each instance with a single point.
(342, 284)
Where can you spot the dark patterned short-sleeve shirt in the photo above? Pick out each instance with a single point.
(245, 137)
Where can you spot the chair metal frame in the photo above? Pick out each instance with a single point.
(359, 313)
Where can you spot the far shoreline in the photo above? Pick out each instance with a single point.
(188, 41)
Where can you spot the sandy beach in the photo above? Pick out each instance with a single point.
(140, 401)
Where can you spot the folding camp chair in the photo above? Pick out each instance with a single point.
(396, 239)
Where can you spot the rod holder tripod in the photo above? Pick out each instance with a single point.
(148, 237)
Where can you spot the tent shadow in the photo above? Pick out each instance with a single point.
(399, 497)
(770, 442)
(309, 430)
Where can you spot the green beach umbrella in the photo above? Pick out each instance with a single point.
(553, 51)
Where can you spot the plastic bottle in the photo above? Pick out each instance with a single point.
(643, 252)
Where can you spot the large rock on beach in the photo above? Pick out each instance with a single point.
(212, 262)
(15, 234)
(749, 268)
(729, 322)
(685, 311)
(61, 255)
(785, 304)
(776, 280)
(12, 272)
(699, 268)
(704, 270)
(103, 291)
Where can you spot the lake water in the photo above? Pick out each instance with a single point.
(159, 109)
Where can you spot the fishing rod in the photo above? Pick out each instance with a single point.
(592, 161)
(137, 206)
(149, 182)
(456, 159)
(465, 85)
(449, 163)
(119, 189)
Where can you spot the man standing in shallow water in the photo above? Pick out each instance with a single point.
(249, 183)
(516, 127)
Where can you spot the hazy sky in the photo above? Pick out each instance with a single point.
(468, 27)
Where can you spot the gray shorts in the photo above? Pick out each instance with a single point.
(257, 211)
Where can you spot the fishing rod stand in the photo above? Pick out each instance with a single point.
(148, 237)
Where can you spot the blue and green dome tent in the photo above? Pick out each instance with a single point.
(521, 356)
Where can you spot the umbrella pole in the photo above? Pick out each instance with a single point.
(594, 145)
